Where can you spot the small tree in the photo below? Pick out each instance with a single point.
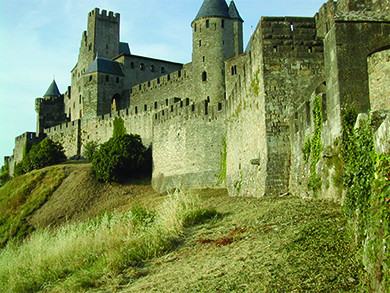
(44, 154)
(90, 148)
(119, 127)
(118, 158)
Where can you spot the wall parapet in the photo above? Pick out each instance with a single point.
(155, 84)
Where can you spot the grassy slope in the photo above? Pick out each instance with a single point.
(256, 245)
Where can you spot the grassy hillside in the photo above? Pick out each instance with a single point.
(95, 237)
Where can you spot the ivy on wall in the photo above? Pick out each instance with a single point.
(366, 178)
(312, 148)
(223, 164)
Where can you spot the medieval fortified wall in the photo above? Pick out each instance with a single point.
(231, 118)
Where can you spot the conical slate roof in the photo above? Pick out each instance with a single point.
(233, 12)
(53, 90)
(106, 66)
(216, 8)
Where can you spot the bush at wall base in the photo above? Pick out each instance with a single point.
(119, 158)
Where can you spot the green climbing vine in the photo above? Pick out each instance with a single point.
(223, 164)
(313, 146)
(366, 178)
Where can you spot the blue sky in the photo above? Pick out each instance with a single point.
(40, 39)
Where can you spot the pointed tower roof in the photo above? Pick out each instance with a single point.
(53, 90)
(233, 12)
(216, 8)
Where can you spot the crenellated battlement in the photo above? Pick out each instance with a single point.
(103, 15)
(157, 83)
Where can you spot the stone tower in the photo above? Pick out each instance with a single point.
(100, 40)
(217, 36)
(50, 108)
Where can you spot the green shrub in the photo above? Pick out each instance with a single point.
(90, 148)
(4, 174)
(119, 127)
(119, 158)
(18, 169)
(44, 154)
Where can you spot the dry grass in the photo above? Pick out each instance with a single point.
(260, 245)
(284, 244)
(78, 257)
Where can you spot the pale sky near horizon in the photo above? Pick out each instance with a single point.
(40, 39)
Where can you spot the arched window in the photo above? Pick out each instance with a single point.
(116, 103)
(204, 76)
(207, 23)
(152, 68)
(142, 66)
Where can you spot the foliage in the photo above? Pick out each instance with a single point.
(223, 162)
(44, 154)
(118, 158)
(18, 169)
(81, 256)
(119, 127)
(141, 215)
(4, 174)
(22, 196)
(358, 156)
(313, 146)
(90, 148)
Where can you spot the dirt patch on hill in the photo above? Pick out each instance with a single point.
(81, 197)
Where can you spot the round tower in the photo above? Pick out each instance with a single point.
(217, 36)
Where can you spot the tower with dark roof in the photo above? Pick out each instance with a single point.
(50, 108)
(217, 36)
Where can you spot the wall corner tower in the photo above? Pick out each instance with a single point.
(217, 36)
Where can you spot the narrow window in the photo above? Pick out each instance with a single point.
(152, 68)
(132, 65)
(215, 26)
(195, 27)
(310, 50)
(179, 73)
(106, 46)
(187, 101)
(171, 108)
(162, 69)
(148, 83)
(200, 43)
(193, 107)
(207, 23)
(81, 114)
(117, 80)
(275, 48)
(142, 66)
(136, 110)
(232, 70)
(292, 27)
(155, 105)
(80, 99)
(169, 77)
(181, 104)
(90, 47)
(107, 78)
(140, 87)
(204, 76)
(222, 23)
(204, 58)
(219, 106)
(146, 107)
(158, 80)
(166, 102)
(90, 78)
